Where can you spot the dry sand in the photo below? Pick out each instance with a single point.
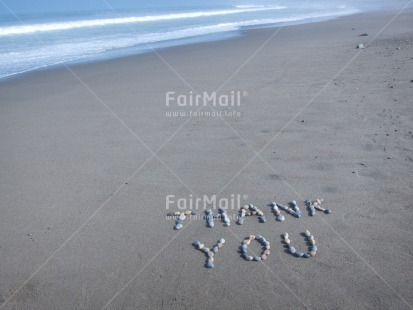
(83, 194)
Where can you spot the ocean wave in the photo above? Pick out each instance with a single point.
(113, 42)
(27, 59)
(31, 28)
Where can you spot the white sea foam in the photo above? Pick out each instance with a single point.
(249, 6)
(30, 28)
(28, 58)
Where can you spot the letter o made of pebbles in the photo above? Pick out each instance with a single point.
(264, 243)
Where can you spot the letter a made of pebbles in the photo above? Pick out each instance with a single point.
(250, 210)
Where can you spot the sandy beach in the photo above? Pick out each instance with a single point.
(89, 154)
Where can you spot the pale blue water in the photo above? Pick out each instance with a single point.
(41, 40)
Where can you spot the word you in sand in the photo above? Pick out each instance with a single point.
(265, 246)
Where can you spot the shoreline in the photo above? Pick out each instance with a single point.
(180, 43)
(90, 161)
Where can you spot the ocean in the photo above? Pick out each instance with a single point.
(41, 40)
